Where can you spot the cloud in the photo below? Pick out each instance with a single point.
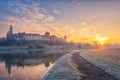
(32, 12)
(31, 18)
(25, 17)
(56, 12)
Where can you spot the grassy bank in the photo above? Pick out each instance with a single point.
(90, 71)
(74, 67)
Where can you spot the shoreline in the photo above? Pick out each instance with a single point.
(90, 71)
(72, 66)
(63, 69)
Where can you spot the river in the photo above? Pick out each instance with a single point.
(27, 66)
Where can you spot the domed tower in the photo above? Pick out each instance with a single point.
(65, 37)
(9, 33)
(47, 34)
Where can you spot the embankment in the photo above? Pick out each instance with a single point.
(90, 71)
(74, 67)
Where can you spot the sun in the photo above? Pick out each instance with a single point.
(101, 40)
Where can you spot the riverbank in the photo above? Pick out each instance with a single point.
(106, 59)
(90, 71)
(25, 50)
(74, 67)
(63, 69)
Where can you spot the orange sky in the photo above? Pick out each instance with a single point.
(81, 21)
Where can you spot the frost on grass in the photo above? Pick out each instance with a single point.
(106, 59)
(64, 69)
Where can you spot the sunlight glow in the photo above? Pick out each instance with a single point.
(102, 40)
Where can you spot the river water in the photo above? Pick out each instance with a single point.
(27, 66)
(106, 59)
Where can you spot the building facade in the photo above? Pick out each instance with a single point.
(30, 37)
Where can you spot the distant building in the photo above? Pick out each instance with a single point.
(2, 39)
(29, 37)
(9, 33)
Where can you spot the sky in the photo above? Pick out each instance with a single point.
(88, 21)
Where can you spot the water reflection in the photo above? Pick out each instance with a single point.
(28, 60)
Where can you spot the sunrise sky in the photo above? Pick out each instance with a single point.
(80, 20)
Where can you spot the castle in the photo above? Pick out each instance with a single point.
(33, 38)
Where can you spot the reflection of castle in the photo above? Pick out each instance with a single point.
(29, 60)
(46, 38)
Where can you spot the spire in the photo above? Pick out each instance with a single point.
(11, 29)
(9, 33)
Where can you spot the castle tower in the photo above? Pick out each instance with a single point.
(9, 33)
(11, 29)
(65, 37)
(47, 34)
